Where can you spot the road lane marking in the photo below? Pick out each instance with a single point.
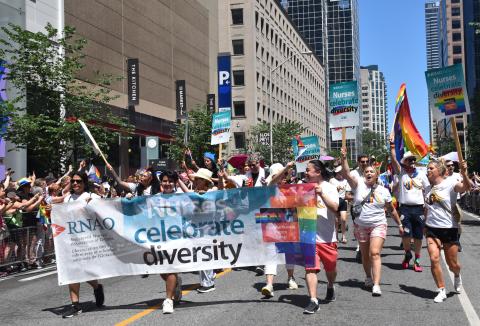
(148, 311)
(464, 300)
(37, 276)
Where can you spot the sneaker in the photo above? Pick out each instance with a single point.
(292, 285)
(177, 296)
(457, 283)
(330, 297)
(441, 296)
(376, 291)
(406, 260)
(267, 291)
(368, 282)
(312, 307)
(206, 289)
(167, 306)
(416, 266)
(74, 310)
(99, 295)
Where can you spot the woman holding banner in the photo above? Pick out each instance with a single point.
(370, 224)
(441, 225)
(79, 192)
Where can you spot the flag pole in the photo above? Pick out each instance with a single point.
(456, 139)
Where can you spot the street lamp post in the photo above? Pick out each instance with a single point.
(271, 71)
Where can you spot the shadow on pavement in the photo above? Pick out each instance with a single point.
(422, 293)
(394, 266)
(471, 222)
(276, 286)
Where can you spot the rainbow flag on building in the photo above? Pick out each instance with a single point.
(407, 136)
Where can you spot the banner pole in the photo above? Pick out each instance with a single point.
(456, 139)
(344, 137)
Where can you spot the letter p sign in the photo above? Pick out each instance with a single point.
(223, 77)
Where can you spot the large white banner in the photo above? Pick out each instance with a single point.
(183, 232)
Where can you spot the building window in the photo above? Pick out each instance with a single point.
(455, 11)
(237, 16)
(237, 47)
(456, 37)
(239, 139)
(238, 78)
(455, 1)
(456, 24)
(239, 108)
(457, 60)
(457, 49)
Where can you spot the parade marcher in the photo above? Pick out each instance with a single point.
(278, 175)
(256, 174)
(342, 187)
(370, 201)
(79, 192)
(173, 282)
(208, 163)
(411, 186)
(326, 235)
(147, 185)
(441, 225)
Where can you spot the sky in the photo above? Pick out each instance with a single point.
(392, 36)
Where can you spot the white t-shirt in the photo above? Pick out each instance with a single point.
(341, 185)
(455, 178)
(83, 195)
(133, 188)
(410, 189)
(326, 232)
(439, 200)
(373, 212)
(356, 174)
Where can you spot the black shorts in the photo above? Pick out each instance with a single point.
(445, 235)
(342, 205)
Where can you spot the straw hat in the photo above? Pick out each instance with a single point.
(204, 174)
(406, 156)
(275, 169)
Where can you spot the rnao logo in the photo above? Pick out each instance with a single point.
(57, 229)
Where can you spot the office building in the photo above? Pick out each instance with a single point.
(262, 38)
(374, 101)
(332, 28)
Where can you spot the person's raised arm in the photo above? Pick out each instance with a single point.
(397, 168)
(119, 181)
(465, 184)
(280, 175)
(70, 170)
(346, 170)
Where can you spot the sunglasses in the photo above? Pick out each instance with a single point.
(364, 162)
(450, 166)
(252, 165)
(76, 181)
(411, 160)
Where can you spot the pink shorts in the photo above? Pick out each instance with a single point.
(363, 234)
(326, 253)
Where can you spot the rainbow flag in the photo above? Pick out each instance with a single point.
(407, 137)
(43, 215)
(300, 145)
(94, 174)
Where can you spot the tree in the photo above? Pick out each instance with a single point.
(283, 133)
(199, 135)
(445, 145)
(43, 116)
(373, 144)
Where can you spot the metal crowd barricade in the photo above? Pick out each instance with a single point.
(472, 202)
(28, 245)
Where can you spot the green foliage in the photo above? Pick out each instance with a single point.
(283, 133)
(199, 135)
(445, 145)
(49, 99)
(373, 144)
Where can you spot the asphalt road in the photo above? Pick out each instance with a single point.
(36, 299)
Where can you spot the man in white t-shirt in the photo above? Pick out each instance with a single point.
(411, 193)
(326, 235)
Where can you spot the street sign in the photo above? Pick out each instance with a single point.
(264, 138)
(133, 81)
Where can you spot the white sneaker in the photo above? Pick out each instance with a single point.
(292, 285)
(368, 282)
(457, 283)
(167, 306)
(267, 291)
(376, 292)
(441, 296)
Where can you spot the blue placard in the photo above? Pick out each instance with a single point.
(224, 82)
